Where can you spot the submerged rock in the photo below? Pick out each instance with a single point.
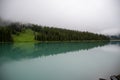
(115, 77)
(118, 77)
(101, 79)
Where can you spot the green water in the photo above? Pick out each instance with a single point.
(59, 61)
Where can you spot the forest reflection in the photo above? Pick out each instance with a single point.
(31, 50)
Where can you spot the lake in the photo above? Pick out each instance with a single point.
(59, 60)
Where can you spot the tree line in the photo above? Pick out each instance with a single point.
(45, 33)
(5, 35)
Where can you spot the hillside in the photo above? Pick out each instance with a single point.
(17, 32)
(27, 35)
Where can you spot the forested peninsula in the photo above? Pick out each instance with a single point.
(17, 32)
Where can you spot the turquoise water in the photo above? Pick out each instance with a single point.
(59, 61)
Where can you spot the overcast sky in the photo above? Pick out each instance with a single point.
(99, 16)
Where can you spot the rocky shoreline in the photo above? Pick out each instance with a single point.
(114, 77)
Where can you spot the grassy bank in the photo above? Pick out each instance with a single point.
(25, 36)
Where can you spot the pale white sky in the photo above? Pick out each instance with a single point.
(98, 16)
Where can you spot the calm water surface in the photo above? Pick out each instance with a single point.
(59, 61)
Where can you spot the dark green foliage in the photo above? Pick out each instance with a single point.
(43, 33)
(57, 34)
(5, 35)
(15, 28)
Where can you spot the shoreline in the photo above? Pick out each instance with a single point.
(58, 41)
(114, 40)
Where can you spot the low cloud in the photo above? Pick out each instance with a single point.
(98, 16)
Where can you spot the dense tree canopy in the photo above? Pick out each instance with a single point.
(44, 33)
(5, 35)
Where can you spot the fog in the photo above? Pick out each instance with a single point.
(98, 16)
